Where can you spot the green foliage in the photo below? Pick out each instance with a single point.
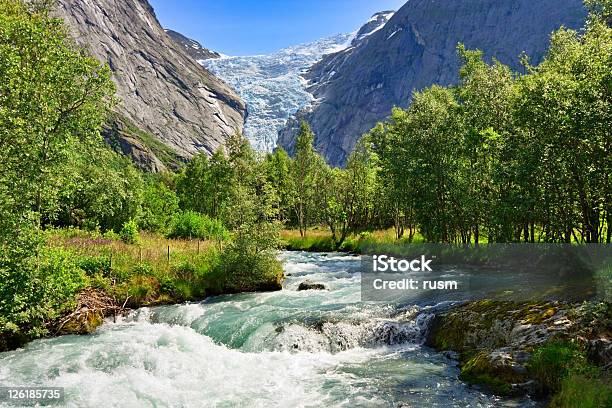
(584, 391)
(306, 174)
(562, 368)
(43, 290)
(129, 233)
(53, 99)
(159, 205)
(601, 10)
(141, 289)
(249, 262)
(278, 174)
(203, 186)
(551, 363)
(105, 192)
(422, 146)
(94, 265)
(191, 225)
(506, 157)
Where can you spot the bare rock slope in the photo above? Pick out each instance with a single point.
(170, 107)
(192, 47)
(416, 48)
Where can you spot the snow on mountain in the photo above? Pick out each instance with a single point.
(374, 24)
(272, 85)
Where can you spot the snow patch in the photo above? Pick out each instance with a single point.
(393, 33)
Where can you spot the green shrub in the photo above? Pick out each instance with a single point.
(129, 233)
(93, 265)
(159, 205)
(562, 368)
(60, 278)
(48, 289)
(189, 225)
(143, 269)
(112, 235)
(185, 270)
(100, 281)
(186, 290)
(553, 362)
(167, 285)
(249, 262)
(142, 290)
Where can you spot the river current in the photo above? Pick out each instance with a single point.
(282, 349)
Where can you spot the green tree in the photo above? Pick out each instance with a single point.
(394, 189)
(486, 95)
(304, 173)
(53, 100)
(348, 196)
(101, 189)
(159, 205)
(278, 170)
(203, 186)
(565, 115)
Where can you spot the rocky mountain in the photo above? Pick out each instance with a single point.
(192, 47)
(416, 48)
(170, 106)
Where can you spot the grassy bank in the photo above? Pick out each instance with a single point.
(84, 276)
(564, 370)
(153, 270)
(320, 240)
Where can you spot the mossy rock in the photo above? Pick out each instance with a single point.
(497, 371)
(83, 323)
(488, 324)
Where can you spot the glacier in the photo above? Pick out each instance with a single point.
(272, 85)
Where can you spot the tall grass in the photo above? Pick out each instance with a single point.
(155, 270)
(158, 270)
(318, 240)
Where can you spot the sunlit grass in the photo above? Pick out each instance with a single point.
(153, 249)
(321, 240)
(153, 270)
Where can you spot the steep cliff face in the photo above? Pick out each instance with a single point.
(192, 47)
(416, 48)
(170, 107)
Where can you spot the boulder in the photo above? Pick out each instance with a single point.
(310, 285)
(495, 339)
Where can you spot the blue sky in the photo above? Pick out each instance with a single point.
(248, 27)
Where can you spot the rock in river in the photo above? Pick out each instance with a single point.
(310, 285)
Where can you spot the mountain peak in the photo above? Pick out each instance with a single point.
(375, 23)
